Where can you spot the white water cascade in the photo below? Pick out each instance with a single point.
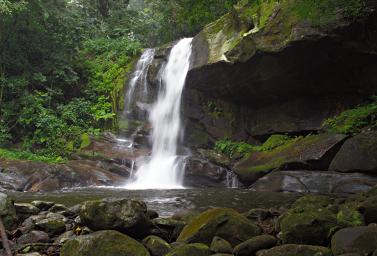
(164, 169)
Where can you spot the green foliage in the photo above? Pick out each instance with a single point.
(230, 148)
(27, 155)
(321, 12)
(353, 120)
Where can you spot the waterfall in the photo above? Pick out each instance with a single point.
(164, 168)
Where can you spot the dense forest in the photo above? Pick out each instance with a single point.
(63, 64)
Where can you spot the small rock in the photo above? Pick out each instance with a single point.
(361, 240)
(156, 246)
(42, 205)
(195, 249)
(65, 237)
(220, 245)
(369, 207)
(26, 210)
(34, 236)
(251, 246)
(58, 208)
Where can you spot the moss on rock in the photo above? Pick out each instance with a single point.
(104, 243)
(223, 222)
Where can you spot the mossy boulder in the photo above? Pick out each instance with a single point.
(129, 216)
(156, 245)
(52, 223)
(310, 151)
(196, 249)
(362, 240)
(251, 246)
(296, 250)
(7, 211)
(309, 221)
(104, 243)
(223, 222)
(357, 154)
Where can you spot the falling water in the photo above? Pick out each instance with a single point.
(164, 168)
(139, 76)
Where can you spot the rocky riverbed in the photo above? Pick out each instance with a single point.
(312, 225)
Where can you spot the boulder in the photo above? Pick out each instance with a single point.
(309, 221)
(7, 211)
(124, 215)
(219, 245)
(223, 222)
(369, 208)
(52, 223)
(361, 240)
(251, 246)
(167, 228)
(296, 250)
(156, 245)
(104, 243)
(26, 210)
(42, 205)
(196, 249)
(323, 182)
(357, 154)
(311, 152)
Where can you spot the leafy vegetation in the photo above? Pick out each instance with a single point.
(231, 148)
(353, 120)
(26, 155)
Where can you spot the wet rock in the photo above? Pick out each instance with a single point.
(200, 172)
(42, 205)
(128, 216)
(167, 228)
(251, 246)
(53, 223)
(361, 240)
(296, 250)
(33, 237)
(65, 237)
(26, 210)
(219, 245)
(309, 152)
(223, 222)
(357, 154)
(323, 182)
(104, 243)
(156, 246)
(196, 249)
(7, 211)
(309, 221)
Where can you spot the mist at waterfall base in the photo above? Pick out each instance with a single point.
(164, 169)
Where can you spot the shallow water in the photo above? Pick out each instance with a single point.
(166, 202)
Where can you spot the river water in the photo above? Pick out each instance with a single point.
(167, 202)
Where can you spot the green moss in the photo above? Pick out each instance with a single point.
(26, 155)
(353, 120)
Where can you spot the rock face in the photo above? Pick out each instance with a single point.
(104, 243)
(323, 182)
(357, 154)
(312, 152)
(361, 240)
(125, 215)
(223, 222)
(261, 68)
